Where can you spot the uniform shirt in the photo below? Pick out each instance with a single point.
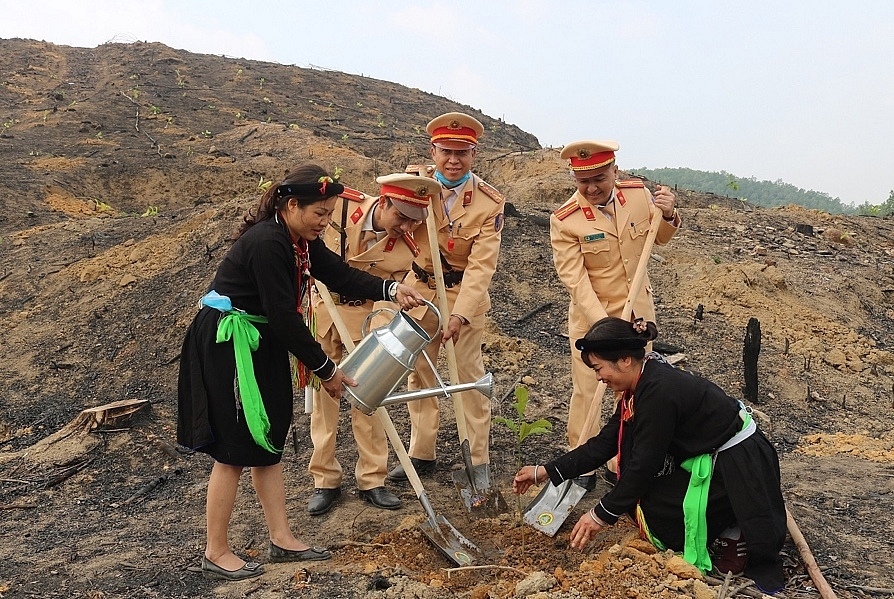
(388, 258)
(474, 224)
(596, 256)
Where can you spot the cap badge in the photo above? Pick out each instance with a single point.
(421, 191)
(583, 154)
(454, 124)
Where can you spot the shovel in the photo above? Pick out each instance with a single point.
(437, 529)
(472, 482)
(551, 507)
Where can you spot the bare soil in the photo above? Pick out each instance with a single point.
(123, 171)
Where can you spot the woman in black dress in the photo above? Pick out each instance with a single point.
(693, 467)
(236, 380)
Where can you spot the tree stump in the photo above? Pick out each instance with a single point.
(749, 357)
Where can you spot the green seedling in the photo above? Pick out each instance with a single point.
(523, 429)
(337, 174)
(151, 211)
(264, 184)
(153, 109)
(101, 206)
(261, 82)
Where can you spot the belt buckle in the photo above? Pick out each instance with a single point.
(336, 298)
(431, 283)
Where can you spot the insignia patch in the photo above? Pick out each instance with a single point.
(498, 222)
(630, 183)
(389, 245)
(621, 199)
(467, 198)
(356, 215)
(588, 212)
(353, 194)
(594, 237)
(566, 210)
(491, 191)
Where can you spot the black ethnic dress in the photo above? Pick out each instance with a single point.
(674, 416)
(260, 275)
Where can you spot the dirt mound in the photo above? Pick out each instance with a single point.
(124, 170)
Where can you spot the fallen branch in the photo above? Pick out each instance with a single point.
(816, 575)
(531, 313)
(878, 590)
(18, 506)
(487, 567)
(744, 590)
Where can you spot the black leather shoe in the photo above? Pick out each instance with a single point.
(422, 467)
(212, 571)
(314, 554)
(610, 477)
(321, 501)
(381, 497)
(587, 482)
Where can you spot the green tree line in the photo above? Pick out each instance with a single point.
(760, 193)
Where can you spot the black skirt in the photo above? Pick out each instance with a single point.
(209, 419)
(745, 489)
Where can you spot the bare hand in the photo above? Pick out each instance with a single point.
(333, 385)
(664, 201)
(408, 297)
(452, 331)
(584, 532)
(524, 479)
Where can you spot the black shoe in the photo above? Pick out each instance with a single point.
(321, 501)
(313, 554)
(610, 477)
(381, 497)
(422, 468)
(587, 482)
(212, 571)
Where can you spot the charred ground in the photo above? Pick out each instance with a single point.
(125, 168)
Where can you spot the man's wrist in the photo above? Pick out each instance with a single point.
(462, 318)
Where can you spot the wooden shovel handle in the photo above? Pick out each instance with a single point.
(438, 271)
(632, 294)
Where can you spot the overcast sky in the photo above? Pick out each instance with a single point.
(797, 90)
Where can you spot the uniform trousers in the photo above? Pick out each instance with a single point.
(425, 414)
(372, 444)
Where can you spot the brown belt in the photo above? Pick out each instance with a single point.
(341, 300)
(451, 277)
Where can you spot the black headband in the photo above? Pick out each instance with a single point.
(610, 345)
(322, 189)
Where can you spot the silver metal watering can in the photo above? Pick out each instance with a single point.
(386, 356)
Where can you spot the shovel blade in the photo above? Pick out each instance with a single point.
(450, 542)
(549, 510)
(478, 497)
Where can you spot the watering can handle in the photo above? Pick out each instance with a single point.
(364, 329)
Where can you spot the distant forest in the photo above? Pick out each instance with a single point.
(760, 193)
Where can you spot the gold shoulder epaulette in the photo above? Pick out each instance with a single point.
(566, 210)
(423, 170)
(491, 191)
(630, 183)
(353, 194)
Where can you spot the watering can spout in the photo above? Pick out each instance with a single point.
(484, 385)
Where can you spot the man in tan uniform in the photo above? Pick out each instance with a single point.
(469, 215)
(373, 234)
(597, 237)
